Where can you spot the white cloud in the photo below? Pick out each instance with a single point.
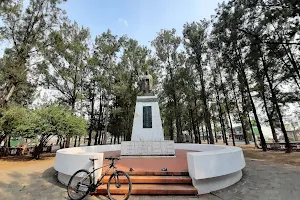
(123, 21)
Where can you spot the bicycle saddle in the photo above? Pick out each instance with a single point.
(93, 159)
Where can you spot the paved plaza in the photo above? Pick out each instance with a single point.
(261, 180)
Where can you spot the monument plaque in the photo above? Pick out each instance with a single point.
(147, 117)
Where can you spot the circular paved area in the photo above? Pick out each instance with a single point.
(151, 164)
(261, 181)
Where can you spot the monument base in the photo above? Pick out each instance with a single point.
(148, 148)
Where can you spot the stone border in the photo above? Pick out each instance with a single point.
(214, 167)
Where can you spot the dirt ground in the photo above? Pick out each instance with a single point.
(273, 156)
(26, 162)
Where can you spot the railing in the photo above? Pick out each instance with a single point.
(280, 146)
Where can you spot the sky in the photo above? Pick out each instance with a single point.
(138, 19)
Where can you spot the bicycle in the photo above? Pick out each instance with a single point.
(82, 182)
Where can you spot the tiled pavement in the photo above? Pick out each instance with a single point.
(261, 181)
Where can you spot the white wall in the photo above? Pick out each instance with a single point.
(147, 134)
(211, 167)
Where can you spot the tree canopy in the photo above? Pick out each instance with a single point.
(239, 67)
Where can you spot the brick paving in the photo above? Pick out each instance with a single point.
(261, 181)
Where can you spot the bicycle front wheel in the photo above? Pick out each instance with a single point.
(119, 186)
(78, 186)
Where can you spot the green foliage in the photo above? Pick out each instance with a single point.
(56, 120)
(28, 33)
(64, 67)
(18, 122)
(53, 120)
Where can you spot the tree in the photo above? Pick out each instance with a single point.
(56, 121)
(28, 32)
(166, 46)
(195, 35)
(65, 62)
(101, 68)
(17, 122)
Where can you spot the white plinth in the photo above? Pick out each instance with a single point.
(148, 148)
(147, 134)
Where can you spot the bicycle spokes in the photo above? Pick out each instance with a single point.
(119, 186)
(79, 183)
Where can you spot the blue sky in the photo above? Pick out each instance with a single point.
(139, 19)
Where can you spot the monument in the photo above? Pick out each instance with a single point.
(147, 137)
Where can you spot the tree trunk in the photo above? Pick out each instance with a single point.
(245, 110)
(227, 107)
(115, 139)
(99, 137)
(91, 127)
(207, 135)
(245, 80)
(207, 116)
(252, 132)
(79, 141)
(3, 102)
(240, 116)
(75, 141)
(96, 138)
(269, 116)
(177, 120)
(221, 116)
(202, 132)
(228, 113)
(196, 119)
(57, 140)
(68, 138)
(60, 143)
(118, 139)
(216, 137)
(175, 104)
(171, 130)
(262, 138)
(8, 141)
(275, 101)
(194, 127)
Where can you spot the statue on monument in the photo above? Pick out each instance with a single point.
(146, 83)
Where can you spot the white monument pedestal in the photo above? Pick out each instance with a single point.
(148, 148)
(147, 137)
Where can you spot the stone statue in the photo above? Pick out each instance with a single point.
(146, 83)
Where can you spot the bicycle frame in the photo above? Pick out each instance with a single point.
(111, 165)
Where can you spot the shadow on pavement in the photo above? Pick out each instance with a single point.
(50, 175)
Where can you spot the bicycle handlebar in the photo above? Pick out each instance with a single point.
(112, 158)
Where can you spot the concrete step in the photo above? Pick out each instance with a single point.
(155, 179)
(150, 189)
(153, 173)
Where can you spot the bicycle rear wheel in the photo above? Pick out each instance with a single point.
(78, 186)
(119, 186)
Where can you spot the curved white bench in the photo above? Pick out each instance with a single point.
(212, 168)
(70, 160)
